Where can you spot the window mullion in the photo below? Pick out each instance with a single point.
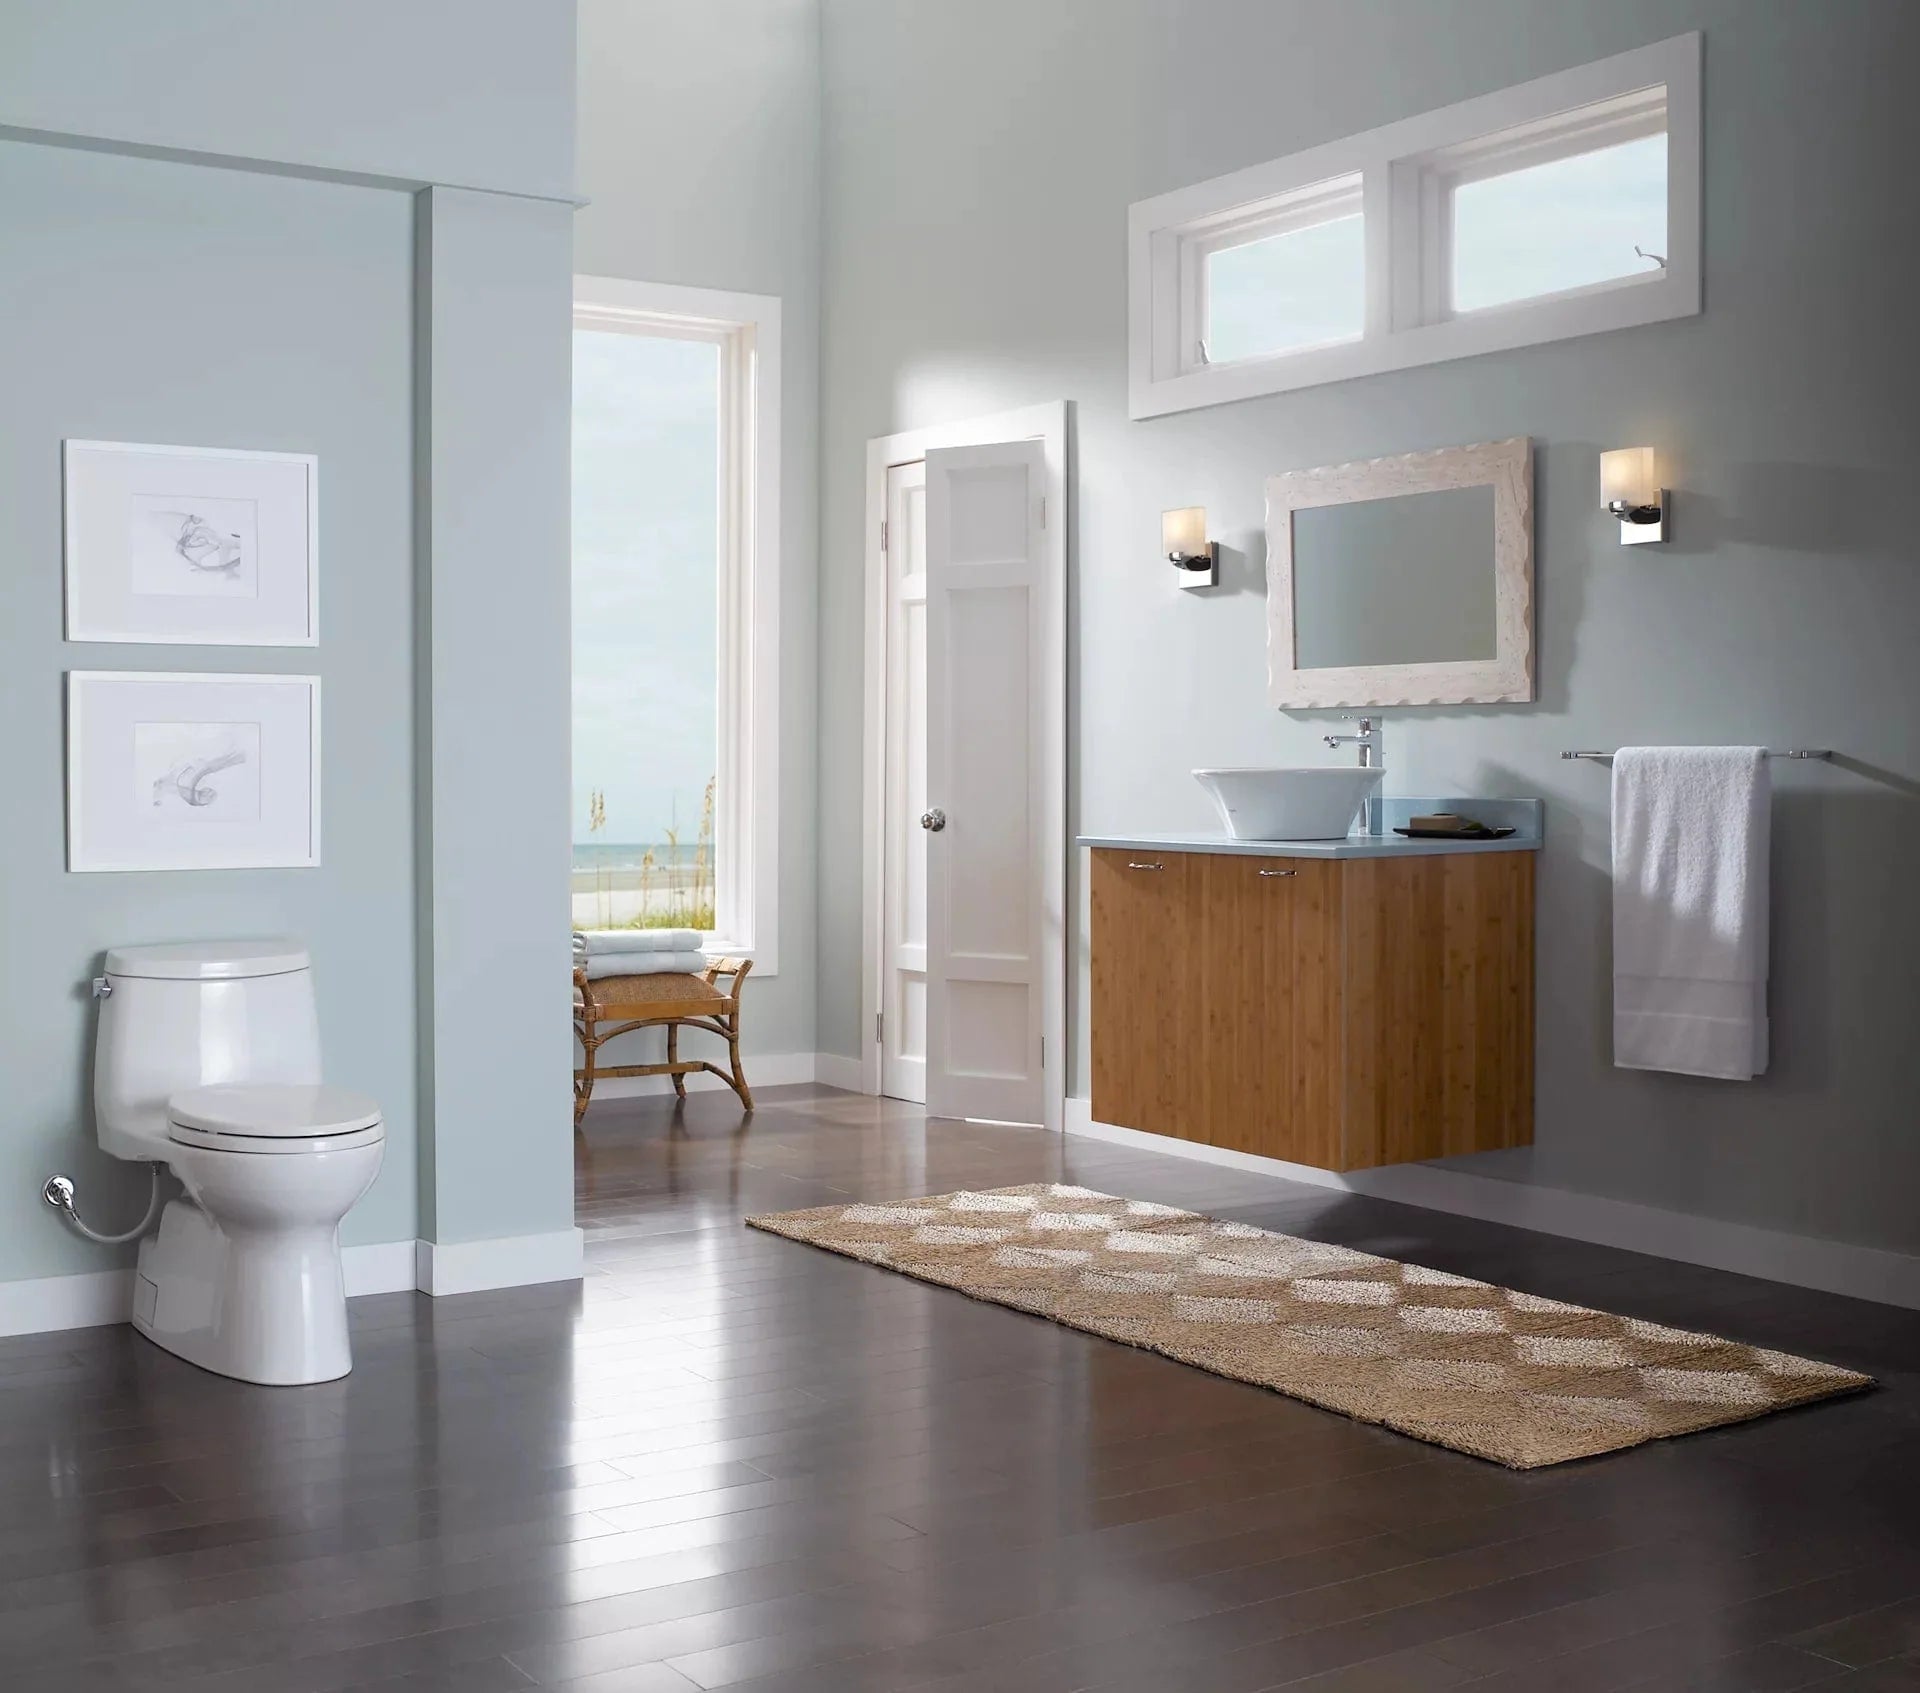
(1383, 246)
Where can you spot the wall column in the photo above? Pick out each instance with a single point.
(494, 289)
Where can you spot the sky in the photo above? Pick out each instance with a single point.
(645, 607)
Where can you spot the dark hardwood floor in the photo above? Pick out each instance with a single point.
(732, 1461)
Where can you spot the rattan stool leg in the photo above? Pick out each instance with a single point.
(739, 1077)
(583, 1077)
(673, 1057)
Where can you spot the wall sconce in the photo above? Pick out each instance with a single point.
(1183, 538)
(1630, 488)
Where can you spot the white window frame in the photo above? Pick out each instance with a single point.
(746, 328)
(1406, 170)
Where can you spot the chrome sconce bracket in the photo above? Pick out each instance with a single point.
(1641, 525)
(1198, 570)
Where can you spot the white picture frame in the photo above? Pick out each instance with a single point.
(191, 546)
(1508, 676)
(182, 771)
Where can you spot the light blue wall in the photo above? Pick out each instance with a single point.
(153, 298)
(473, 92)
(979, 162)
(147, 301)
(496, 310)
(729, 92)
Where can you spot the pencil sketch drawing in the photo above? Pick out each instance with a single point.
(189, 780)
(202, 770)
(193, 545)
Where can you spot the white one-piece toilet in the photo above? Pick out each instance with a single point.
(207, 1060)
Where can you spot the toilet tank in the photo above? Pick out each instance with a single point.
(191, 1014)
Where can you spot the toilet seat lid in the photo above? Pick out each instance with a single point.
(271, 1112)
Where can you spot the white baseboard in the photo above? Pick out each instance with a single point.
(1832, 1266)
(834, 1071)
(66, 1302)
(390, 1266)
(383, 1268)
(766, 1070)
(475, 1266)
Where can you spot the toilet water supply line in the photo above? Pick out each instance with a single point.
(59, 1194)
(59, 1189)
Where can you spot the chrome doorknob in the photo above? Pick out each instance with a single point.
(933, 821)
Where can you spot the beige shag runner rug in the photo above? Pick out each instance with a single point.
(1522, 1380)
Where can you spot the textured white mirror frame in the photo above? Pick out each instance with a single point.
(1504, 466)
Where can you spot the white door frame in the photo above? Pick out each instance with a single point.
(1046, 424)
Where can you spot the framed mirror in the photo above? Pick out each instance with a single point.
(1403, 581)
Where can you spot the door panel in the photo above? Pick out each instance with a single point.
(1149, 1024)
(1271, 934)
(985, 630)
(1440, 1003)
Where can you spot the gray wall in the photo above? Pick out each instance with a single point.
(146, 301)
(153, 299)
(979, 161)
(700, 164)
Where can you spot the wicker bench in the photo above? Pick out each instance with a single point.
(612, 1006)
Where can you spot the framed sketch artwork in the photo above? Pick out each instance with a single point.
(192, 772)
(195, 546)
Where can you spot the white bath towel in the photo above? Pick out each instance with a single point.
(601, 964)
(1691, 831)
(587, 942)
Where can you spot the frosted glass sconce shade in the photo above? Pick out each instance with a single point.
(1627, 477)
(1183, 538)
(1630, 489)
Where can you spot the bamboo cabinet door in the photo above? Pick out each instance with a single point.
(1272, 995)
(1439, 1006)
(1148, 1038)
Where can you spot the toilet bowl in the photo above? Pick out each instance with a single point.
(207, 1061)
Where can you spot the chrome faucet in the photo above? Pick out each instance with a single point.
(1368, 741)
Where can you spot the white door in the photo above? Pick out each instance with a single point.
(985, 614)
(903, 969)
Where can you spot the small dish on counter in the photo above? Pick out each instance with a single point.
(1479, 832)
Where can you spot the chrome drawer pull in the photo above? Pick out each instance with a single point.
(1135, 864)
(1279, 872)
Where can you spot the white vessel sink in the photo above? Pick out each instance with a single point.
(1308, 804)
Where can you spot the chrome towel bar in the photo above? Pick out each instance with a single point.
(1789, 752)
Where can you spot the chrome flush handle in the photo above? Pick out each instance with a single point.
(1279, 872)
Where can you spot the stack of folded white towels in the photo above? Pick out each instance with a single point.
(638, 952)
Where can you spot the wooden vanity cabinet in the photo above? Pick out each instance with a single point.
(1342, 1013)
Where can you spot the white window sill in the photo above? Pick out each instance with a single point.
(764, 964)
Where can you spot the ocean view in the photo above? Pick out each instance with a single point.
(589, 856)
(642, 884)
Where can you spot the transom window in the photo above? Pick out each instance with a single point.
(1551, 228)
(1570, 204)
(1562, 207)
(1290, 277)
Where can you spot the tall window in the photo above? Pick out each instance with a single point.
(675, 772)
